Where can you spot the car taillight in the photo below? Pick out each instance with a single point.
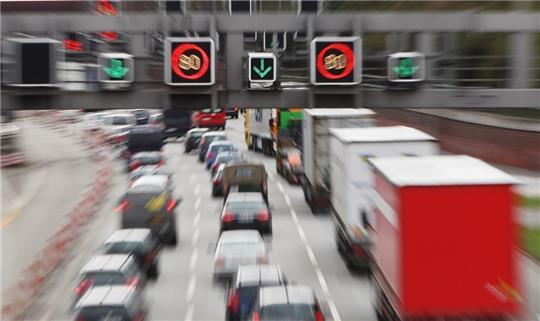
(83, 286)
(217, 181)
(262, 260)
(161, 163)
(319, 316)
(122, 206)
(232, 305)
(134, 165)
(228, 217)
(219, 262)
(263, 215)
(134, 281)
(210, 155)
(256, 316)
(171, 204)
(358, 250)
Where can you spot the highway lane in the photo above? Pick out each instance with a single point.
(35, 197)
(302, 244)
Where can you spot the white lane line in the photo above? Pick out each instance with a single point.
(196, 219)
(311, 256)
(333, 310)
(197, 203)
(195, 237)
(302, 235)
(197, 190)
(193, 260)
(191, 287)
(192, 178)
(189, 313)
(281, 189)
(322, 281)
(288, 201)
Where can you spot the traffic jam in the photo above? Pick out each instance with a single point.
(404, 218)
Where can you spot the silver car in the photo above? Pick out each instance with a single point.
(235, 248)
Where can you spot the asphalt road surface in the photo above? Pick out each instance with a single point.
(303, 244)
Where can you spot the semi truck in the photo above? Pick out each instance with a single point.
(287, 136)
(257, 128)
(444, 246)
(351, 181)
(316, 126)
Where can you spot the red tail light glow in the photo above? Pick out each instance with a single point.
(135, 164)
(134, 281)
(171, 204)
(319, 316)
(232, 305)
(263, 215)
(83, 286)
(210, 155)
(228, 217)
(161, 163)
(256, 316)
(149, 257)
(122, 206)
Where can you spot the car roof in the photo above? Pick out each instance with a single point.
(129, 235)
(249, 275)
(247, 196)
(107, 262)
(290, 294)
(108, 295)
(220, 142)
(213, 133)
(160, 181)
(239, 235)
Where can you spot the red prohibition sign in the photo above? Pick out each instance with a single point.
(346, 50)
(179, 51)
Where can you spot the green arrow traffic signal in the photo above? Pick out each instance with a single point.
(405, 68)
(262, 71)
(116, 69)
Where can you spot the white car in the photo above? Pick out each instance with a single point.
(117, 126)
(235, 248)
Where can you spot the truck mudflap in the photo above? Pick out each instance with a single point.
(318, 199)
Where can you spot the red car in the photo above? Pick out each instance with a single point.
(209, 118)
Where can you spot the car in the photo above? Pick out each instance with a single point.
(206, 140)
(148, 170)
(145, 158)
(138, 242)
(246, 211)
(177, 122)
(235, 248)
(143, 138)
(117, 127)
(142, 116)
(225, 158)
(150, 206)
(209, 118)
(161, 181)
(244, 288)
(217, 181)
(287, 302)
(289, 164)
(92, 122)
(112, 302)
(193, 137)
(109, 269)
(231, 112)
(156, 120)
(215, 148)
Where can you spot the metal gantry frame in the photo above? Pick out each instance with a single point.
(230, 89)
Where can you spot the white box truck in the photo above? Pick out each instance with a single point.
(316, 125)
(257, 126)
(351, 180)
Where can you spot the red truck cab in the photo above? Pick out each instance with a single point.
(444, 239)
(209, 118)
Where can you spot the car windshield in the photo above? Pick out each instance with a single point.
(221, 148)
(290, 312)
(147, 159)
(210, 110)
(103, 313)
(196, 134)
(105, 278)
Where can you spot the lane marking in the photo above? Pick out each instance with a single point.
(10, 217)
(192, 178)
(311, 256)
(191, 287)
(189, 313)
(288, 201)
(197, 203)
(196, 219)
(302, 235)
(322, 281)
(193, 260)
(195, 237)
(333, 310)
(197, 190)
(281, 189)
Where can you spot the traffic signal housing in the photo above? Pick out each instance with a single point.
(406, 67)
(116, 68)
(262, 67)
(336, 61)
(189, 61)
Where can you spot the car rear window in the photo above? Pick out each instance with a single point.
(147, 159)
(245, 205)
(102, 313)
(292, 312)
(105, 278)
(137, 248)
(212, 110)
(242, 249)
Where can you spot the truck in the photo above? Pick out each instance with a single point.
(287, 137)
(257, 128)
(316, 124)
(351, 181)
(444, 246)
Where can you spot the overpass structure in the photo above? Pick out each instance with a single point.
(233, 36)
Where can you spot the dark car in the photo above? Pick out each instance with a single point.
(193, 137)
(141, 116)
(143, 138)
(245, 286)
(290, 303)
(148, 170)
(117, 302)
(153, 207)
(215, 148)
(145, 158)
(138, 242)
(231, 112)
(206, 140)
(289, 164)
(177, 122)
(246, 211)
(109, 269)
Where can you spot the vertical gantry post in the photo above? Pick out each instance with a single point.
(234, 60)
(425, 45)
(520, 63)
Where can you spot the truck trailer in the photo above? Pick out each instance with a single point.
(351, 180)
(444, 246)
(258, 130)
(316, 126)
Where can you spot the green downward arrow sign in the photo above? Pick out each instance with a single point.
(262, 71)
